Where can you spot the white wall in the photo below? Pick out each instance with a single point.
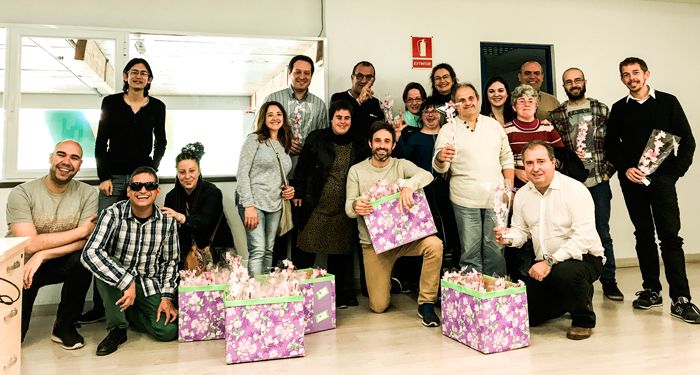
(593, 35)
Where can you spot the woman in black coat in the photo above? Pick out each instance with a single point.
(197, 206)
(319, 181)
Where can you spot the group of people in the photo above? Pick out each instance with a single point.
(117, 236)
(558, 240)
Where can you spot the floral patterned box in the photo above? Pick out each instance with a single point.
(262, 329)
(201, 313)
(390, 228)
(489, 322)
(319, 302)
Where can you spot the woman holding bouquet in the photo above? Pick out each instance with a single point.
(475, 150)
(260, 189)
(196, 204)
(320, 179)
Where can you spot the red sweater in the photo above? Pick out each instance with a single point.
(521, 132)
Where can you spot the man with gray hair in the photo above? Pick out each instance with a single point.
(582, 122)
(531, 74)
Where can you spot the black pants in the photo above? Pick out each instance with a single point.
(567, 288)
(656, 207)
(76, 282)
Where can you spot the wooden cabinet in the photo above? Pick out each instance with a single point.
(11, 271)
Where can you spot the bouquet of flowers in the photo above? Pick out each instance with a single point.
(581, 136)
(281, 282)
(659, 146)
(297, 118)
(501, 206)
(386, 106)
(450, 112)
(474, 280)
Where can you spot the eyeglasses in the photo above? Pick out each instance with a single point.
(414, 100)
(442, 78)
(430, 112)
(362, 77)
(577, 81)
(142, 73)
(137, 186)
(523, 101)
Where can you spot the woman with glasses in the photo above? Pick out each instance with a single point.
(525, 127)
(417, 146)
(474, 149)
(498, 104)
(261, 187)
(413, 97)
(197, 205)
(442, 79)
(132, 125)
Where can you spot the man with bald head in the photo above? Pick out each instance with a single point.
(58, 215)
(531, 74)
(582, 123)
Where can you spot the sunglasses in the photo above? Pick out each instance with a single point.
(137, 186)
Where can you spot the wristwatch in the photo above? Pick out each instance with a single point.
(549, 260)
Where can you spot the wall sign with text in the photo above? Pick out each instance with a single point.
(422, 52)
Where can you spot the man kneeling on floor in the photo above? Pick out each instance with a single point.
(378, 266)
(558, 213)
(133, 253)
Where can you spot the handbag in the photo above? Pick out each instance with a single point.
(198, 258)
(286, 224)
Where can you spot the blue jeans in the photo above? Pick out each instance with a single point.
(601, 199)
(261, 241)
(480, 250)
(119, 184)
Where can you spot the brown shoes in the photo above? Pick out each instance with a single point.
(579, 333)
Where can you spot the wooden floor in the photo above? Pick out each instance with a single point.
(395, 342)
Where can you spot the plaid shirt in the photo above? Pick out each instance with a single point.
(603, 169)
(121, 249)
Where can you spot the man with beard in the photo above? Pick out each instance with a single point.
(58, 214)
(581, 122)
(366, 109)
(531, 74)
(654, 207)
(378, 267)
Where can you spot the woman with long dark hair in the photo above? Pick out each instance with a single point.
(497, 103)
(260, 186)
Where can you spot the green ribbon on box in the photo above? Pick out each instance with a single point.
(484, 295)
(328, 277)
(204, 288)
(263, 301)
(385, 199)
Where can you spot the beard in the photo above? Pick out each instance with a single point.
(381, 158)
(581, 94)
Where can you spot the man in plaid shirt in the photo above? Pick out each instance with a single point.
(133, 253)
(581, 122)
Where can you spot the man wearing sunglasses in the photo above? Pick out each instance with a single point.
(366, 108)
(58, 214)
(133, 254)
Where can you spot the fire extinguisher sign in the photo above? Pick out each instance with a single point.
(422, 52)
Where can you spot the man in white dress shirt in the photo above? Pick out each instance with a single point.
(558, 213)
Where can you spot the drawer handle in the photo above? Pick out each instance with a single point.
(10, 362)
(10, 314)
(13, 266)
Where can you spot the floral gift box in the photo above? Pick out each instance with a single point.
(390, 227)
(319, 301)
(201, 313)
(488, 321)
(266, 328)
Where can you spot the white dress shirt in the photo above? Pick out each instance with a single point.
(561, 221)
